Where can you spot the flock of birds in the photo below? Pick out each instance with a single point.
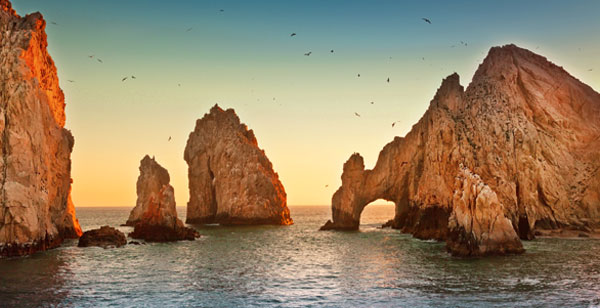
(293, 34)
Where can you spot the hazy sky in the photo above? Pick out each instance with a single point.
(301, 108)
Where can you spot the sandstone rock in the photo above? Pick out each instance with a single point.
(477, 225)
(104, 237)
(231, 180)
(158, 221)
(524, 127)
(153, 177)
(36, 212)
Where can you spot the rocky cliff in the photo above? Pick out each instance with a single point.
(231, 180)
(521, 142)
(36, 212)
(155, 214)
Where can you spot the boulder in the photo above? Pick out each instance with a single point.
(104, 237)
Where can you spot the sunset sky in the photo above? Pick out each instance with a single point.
(300, 107)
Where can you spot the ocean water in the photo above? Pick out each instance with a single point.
(298, 266)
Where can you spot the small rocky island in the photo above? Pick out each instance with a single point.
(515, 154)
(36, 212)
(155, 216)
(104, 237)
(231, 180)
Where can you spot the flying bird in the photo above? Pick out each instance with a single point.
(71, 80)
(91, 57)
(356, 114)
(358, 75)
(308, 53)
(221, 10)
(372, 103)
(423, 58)
(54, 23)
(427, 20)
(388, 80)
(133, 77)
(293, 34)
(125, 78)
(394, 124)
(591, 69)
(179, 85)
(169, 138)
(332, 51)
(100, 60)
(327, 185)
(188, 30)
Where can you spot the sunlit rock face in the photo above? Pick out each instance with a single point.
(36, 212)
(527, 135)
(231, 180)
(155, 215)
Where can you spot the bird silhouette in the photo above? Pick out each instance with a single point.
(426, 20)
(54, 23)
(358, 75)
(326, 185)
(169, 138)
(91, 57)
(356, 114)
(308, 53)
(388, 80)
(100, 60)
(394, 124)
(591, 69)
(372, 103)
(71, 80)
(221, 10)
(293, 34)
(423, 58)
(332, 51)
(125, 78)
(133, 77)
(188, 30)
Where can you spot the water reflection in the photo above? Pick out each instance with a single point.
(34, 281)
(298, 266)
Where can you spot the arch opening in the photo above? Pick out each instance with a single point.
(377, 213)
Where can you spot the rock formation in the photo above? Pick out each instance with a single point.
(104, 237)
(524, 142)
(155, 215)
(231, 180)
(36, 212)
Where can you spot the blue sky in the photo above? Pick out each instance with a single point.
(301, 108)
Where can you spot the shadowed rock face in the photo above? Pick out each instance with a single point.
(231, 180)
(104, 237)
(155, 214)
(521, 143)
(36, 212)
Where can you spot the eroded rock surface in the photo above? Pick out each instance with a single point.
(104, 237)
(231, 180)
(524, 127)
(155, 214)
(36, 212)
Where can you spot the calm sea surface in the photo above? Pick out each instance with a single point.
(298, 266)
